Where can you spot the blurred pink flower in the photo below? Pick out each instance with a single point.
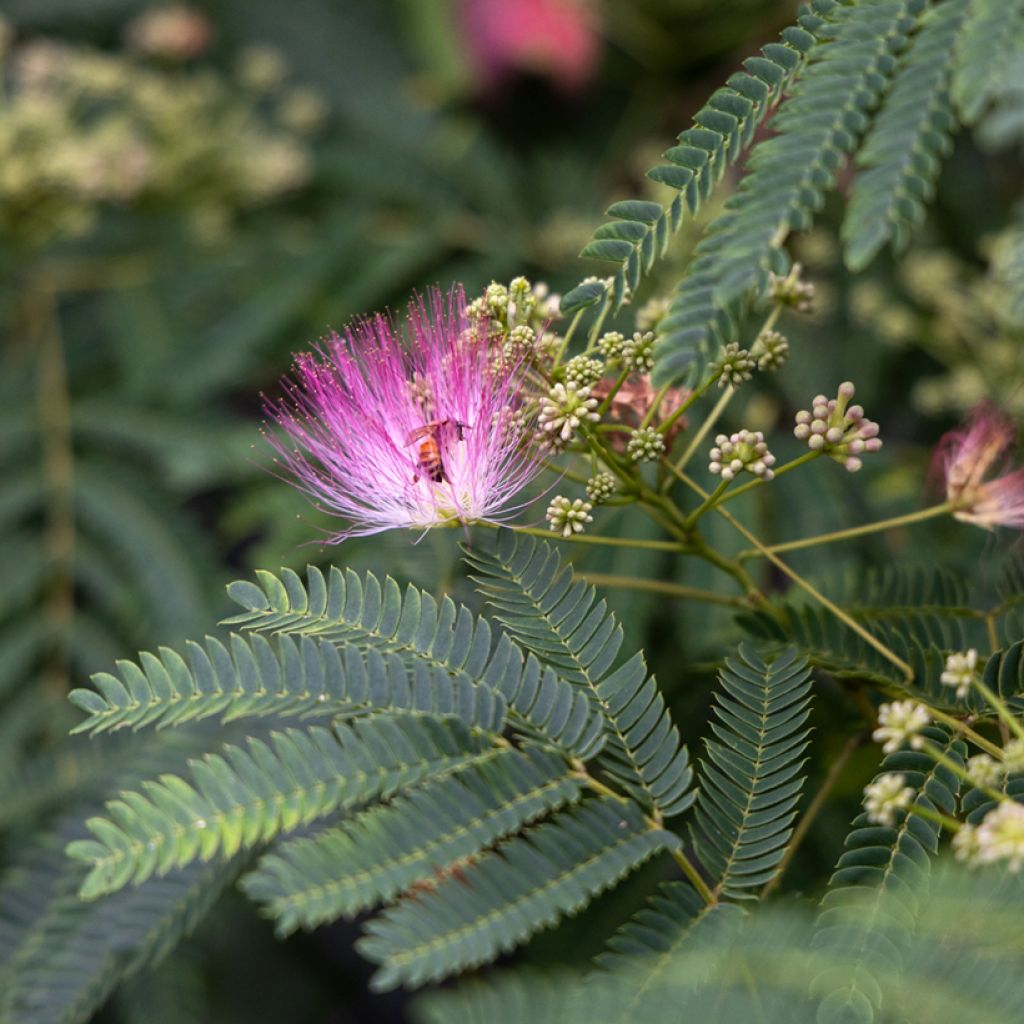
(170, 31)
(555, 38)
(965, 456)
(391, 432)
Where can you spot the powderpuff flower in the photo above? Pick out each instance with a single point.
(966, 456)
(554, 38)
(416, 431)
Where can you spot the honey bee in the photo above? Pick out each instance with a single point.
(428, 453)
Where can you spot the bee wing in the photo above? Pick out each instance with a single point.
(415, 435)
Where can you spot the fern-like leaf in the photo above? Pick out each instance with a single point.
(752, 778)
(902, 154)
(253, 679)
(559, 619)
(387, 849)
(788, 176)
(867, 914)
(722, 128)
(526, 884)
(344, 609)
(247, 796)
(992, 37)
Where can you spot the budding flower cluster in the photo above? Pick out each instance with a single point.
(840, 431)
(791, 291)
(583, 371)
(886, 797)
(645, 445)
(961, 671)
(733, 366)
(600, 488)
(900, 723)
(568, 517)
(770, 350)
(610, 345)
(565, 408)
(1013, 757)
(744, 450)
(638, 352)
(984, 772)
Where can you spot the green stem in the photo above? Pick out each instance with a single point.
(655, 402)
(709, 502)
(563, 348)
(607, 403)
(670, 421)
(601, 579)
(1005, 714)
(967, 732)
(854, 531)
(804, 585)
(759, 481)
(582, 538)
(936, 816)
(940, 757)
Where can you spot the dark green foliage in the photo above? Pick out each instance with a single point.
(251, 679)
(387, 849)
(901, 156)
(752, 776)
(787, 177)
(649, 943)
(722, 129)
(867, 915)
(555, 616)
(343, 609)
(499, 901)
(248, 795)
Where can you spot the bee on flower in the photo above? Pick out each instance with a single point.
(391, 431)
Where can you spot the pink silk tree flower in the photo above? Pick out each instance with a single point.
(965, 456)
(415, 431)
(554, 38)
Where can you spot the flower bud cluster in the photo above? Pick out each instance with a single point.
(583, 371)
(645, 445)
(886, 798)
(900, 724)
(565, 409)
(791, 291)
(998, 838)
(840, 431)
(610, 345)
(638, 352)
(600, 488)
(744, 450)
(567, 517)
(771, 350)
(961, 671)
(733, 365)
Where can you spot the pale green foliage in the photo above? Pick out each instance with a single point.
(555, 616)
(248, 795)
(903, 151)
(787, 177)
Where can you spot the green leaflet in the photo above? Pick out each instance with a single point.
(640, 231)
(787, 179)
(344, 609)
(387, 849)
(752, 777)
(291, 677)
(246, 796)
(901, 156)
(555, 617)
(499, 901)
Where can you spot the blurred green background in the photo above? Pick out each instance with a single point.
(188, 195)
